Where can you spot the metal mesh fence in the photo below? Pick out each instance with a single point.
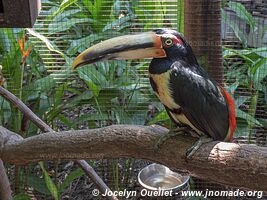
(118, 92)
(240, 72)
(124, 94)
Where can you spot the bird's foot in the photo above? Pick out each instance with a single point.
(172, 133)
(192, 150)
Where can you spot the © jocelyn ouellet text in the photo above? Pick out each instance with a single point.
(187, 193)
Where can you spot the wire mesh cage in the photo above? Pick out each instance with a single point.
(228, 37)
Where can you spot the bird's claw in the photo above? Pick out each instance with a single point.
(172, 133)
(193, 149)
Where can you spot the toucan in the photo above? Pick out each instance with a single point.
(191, 98)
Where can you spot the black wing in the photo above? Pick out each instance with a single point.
(200, 100)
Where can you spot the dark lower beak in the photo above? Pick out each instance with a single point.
(145, 45)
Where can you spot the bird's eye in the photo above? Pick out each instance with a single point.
(168, 42)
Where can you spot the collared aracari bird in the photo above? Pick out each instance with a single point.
(189, 95)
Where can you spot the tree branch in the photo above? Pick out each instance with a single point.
(6, 137)
(5, 189)
(238, 165)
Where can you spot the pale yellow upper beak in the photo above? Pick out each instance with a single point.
(144, 45)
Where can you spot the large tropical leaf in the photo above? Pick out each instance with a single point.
(242, 12)
(234, 25)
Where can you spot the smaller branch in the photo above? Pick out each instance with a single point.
(89, 171)
(6, 137)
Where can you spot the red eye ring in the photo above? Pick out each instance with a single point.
(177, 41)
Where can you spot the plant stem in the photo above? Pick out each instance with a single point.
(180, 16)
(115, 171)
(19, 123)
(20, 96)
(98, 108)
(252, 112)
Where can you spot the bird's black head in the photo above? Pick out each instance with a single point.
(176, 46)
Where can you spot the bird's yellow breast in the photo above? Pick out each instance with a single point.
(164, 92)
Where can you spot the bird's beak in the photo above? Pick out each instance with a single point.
(145, 45)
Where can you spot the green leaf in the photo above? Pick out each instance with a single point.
(88, 4)
(46, 84)
(5, 110)
(232, 88)
(242, 129)
(65, 121)
(250, 120)
(49, 183)
(253, 53)
(21, 197)
(242, 12)
(260, 63)
(64, 15)
(59, 93)
(44, 104)
(234, 25)
(117, 24)
(34, 89)
(64, 5)
(240, 100)
(77, 100)
(38, 184)
(260, 51)
(117, 7)
(145, 9)
(162, 116)
(100, 11)
(83, 43)
(6, 41)
(66, 25)
(71, 177)
(85, 96)
(72, 102)
(260, 74)
(263, 122)
(245, 54)
(93, 78)
(93, 87)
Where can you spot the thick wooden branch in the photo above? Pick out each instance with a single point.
(238, 165)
